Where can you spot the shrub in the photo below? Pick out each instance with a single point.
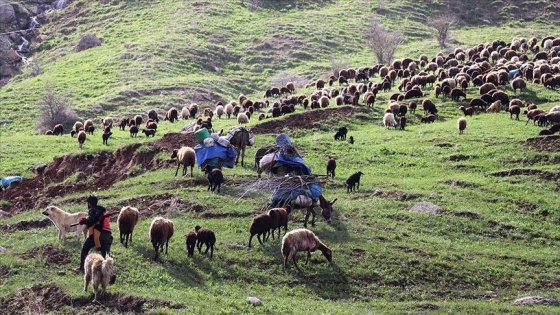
(54, 109)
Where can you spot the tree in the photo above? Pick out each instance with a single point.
(443, 23)
(54, 109)
(383, 42)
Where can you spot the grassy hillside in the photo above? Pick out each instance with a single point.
(494, 239)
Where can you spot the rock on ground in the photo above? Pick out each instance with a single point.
(427, 208)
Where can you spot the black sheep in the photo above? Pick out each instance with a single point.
(402, 122)
(353, 181)
(133, 131)
(351, 140)
(341, 133)
(215, 178)
(331, 167)
(207, 237)
(149, 132)
(190, 240)
(105, 137)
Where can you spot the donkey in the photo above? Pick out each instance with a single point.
(240, 140)
(306, 202)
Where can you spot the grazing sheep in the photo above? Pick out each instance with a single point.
(389, 120)
(99, 270)
(127, 219)
(242, 118)
(58, 130)
(152, 114)
(341, 133)
(220, 111)
(279, 218)
(133, 131)
(81, 138)
(260, 225)
(64, 222)
(207, 237)
(161, 230)
(107, 122)
(514, 110)
(190, 240)
(456, 94)
(48, 133)
(412, 106)
(496, 107)
(149, 132)
(428, 119)
(185, 156)
(76, 128)
(518, 83)
(324, 101)
(90, 130)
(402, 122)
(553, 117)
(138, 120)
(185, 113)
(331, 167)
(533, 114)
(429, 107)
(172, 115)
(215, 178)
(461, 124)
(353, 181)
(229, 110)
(300, 240)
(105, 137)
(467, 111)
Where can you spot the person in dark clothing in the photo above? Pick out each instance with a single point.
(99, 231)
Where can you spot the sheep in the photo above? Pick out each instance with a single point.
(185, 156)
(107, 122)
(215, 178)
(260, 225)
(193, 109)
(302, 240)
(48, 133)
(229, 110)
(461, 124)
(185, 113)
(324, 101)
(242, 118)
(149, 132)
(389, 120)
(138, 120)
(127, 219)
(58, 130)
(133, 131)
(76, 128)
(331, 167)
(341, 133)
(514, 110)
(518, 83)
(105, 137)
(531, 114)
(161, 230)
(262, 116)
(90, 129)
(496, 107)
(353, 181)
(429, 107)
(456, 94)
(553, 117)
(220, 111)
(412, 106)
(152, 114)
(279, 218)
(81, 138)
(428, 119)
(190, 240)
(466, 110)
(555, 109)
(172, 115)
(99, 270)
(402, 122)
(207, 237)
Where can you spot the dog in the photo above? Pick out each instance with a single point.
(64, 221)
(99, 271)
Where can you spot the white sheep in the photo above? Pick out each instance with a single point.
(185, 113)
(229, 110)
(219, 111)
(99, 271)
(302, 240)
(461, 124)
(127, 219)
(242, 118)
(78, 125)
(389, 120)
(186, 157)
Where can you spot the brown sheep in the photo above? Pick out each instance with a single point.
(514, 110)
(279, 219)
(127, 219)
(161, 231)
(207, 237)
(495, 107)
(429, 107)
(518, 83)
(466, 110)
(81, 138)
(456, 94)
(302, 240)
(186, 157)
(215, 178)
(190, 240)
(58, 130)
(461, 124)
(486, 87)
(260, 225)
(172, 115)
(428, 119)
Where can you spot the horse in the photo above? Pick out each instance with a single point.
(306, 202)
(239, 141)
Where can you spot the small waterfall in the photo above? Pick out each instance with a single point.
(59, 4)
(24, 46)
(33, 24)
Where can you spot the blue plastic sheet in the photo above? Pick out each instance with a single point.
(227, 154)
(513, 73)
(8, 179)
(281, 197)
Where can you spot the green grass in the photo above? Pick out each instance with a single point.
(498, 233)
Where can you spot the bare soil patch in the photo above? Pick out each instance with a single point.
(25, 225)
(460, 184)
(47, 298)
(546, 175)
(50, 253)
(4, 271)
(548, 143)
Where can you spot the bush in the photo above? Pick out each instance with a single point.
(54, 109)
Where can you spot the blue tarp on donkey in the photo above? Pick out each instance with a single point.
(288, 156)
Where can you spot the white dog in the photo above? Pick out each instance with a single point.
(63, 221)
(99, 271)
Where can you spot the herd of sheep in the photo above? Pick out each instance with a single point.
(489, 66)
